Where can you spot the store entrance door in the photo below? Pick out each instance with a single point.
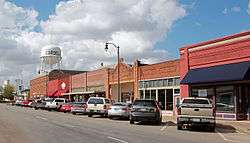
(248, 102)
(243, 102)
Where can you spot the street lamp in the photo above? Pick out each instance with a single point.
(118, 68)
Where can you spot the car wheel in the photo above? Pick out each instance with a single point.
(131, 121)
(74, 113)
(110, 117)
(158, 122)
(179, 126)
(212, 128)
(89, 115)
(36, 108)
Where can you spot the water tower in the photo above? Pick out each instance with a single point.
(50, 58)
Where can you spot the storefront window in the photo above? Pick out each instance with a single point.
(203, 92)
(147, 94)
(176, 91)
(225, 99)
(153, 94)
(141, 94)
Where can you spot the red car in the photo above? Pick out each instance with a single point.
(65, 107)
(25, 103)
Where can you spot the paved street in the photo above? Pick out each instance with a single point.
(26, 125)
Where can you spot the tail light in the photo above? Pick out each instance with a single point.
(214, 113)
(179, 111)
(125, 109)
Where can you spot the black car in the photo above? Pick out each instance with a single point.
(145, 110)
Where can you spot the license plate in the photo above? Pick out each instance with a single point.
(196, 120)
(143, 109)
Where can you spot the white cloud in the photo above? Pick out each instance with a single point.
(81, 28)
(232, 9)
(14, 56)
(248, 8)
(225, 11)
(236, 9)
(136, 25)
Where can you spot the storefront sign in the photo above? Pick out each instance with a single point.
(202, 93)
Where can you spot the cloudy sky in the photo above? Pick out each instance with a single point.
(149, 30)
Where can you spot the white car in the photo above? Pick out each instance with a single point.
(55, 104)
(98, 106)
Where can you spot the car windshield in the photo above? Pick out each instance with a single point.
(119, 104)
(49, 100)
(59, 100)
(195, 101)
(78, 104)
(95, 101)
(149, 103)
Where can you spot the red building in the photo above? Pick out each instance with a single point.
(53, 84)
(219, 69)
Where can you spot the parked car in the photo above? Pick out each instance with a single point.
(18, 102)
(79, 108)
(25, 103)
(196, 111)
(145, 110)
(98, 106)
(40, 104)
(66, 107)
(55, 104)
(119, 110)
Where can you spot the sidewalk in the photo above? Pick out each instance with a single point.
(235, 126)
(238, 126)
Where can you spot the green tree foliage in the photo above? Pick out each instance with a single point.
(8, 92)
(1, 92)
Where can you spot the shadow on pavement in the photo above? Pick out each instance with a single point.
(169, 123)
(225, 128)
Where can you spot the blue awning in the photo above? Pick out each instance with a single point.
(221, 73)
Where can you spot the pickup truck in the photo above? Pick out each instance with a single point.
(55, 104)
(196, 111)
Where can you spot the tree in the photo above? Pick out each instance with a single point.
(8, 92)
(1, 92)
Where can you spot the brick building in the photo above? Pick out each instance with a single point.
(54, 83)
(219, 69)
(158, 81)
(91, 83)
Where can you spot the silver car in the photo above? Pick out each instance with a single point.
(119, 110)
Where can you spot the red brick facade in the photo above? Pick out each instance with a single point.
(134, 73)
(226, 50)
(39, 85)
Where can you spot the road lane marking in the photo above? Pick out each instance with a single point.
(222, 136)
(116, 139)
(39, 117)
(68, 125)
(163, 128)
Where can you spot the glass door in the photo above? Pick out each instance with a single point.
(162, 98)
(169, 99)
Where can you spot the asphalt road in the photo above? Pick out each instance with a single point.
(26, 125)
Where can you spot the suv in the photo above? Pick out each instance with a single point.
(98, 106)
(145, 110)
(55, 104)
(196, 111)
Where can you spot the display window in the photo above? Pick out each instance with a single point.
(225, 99)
